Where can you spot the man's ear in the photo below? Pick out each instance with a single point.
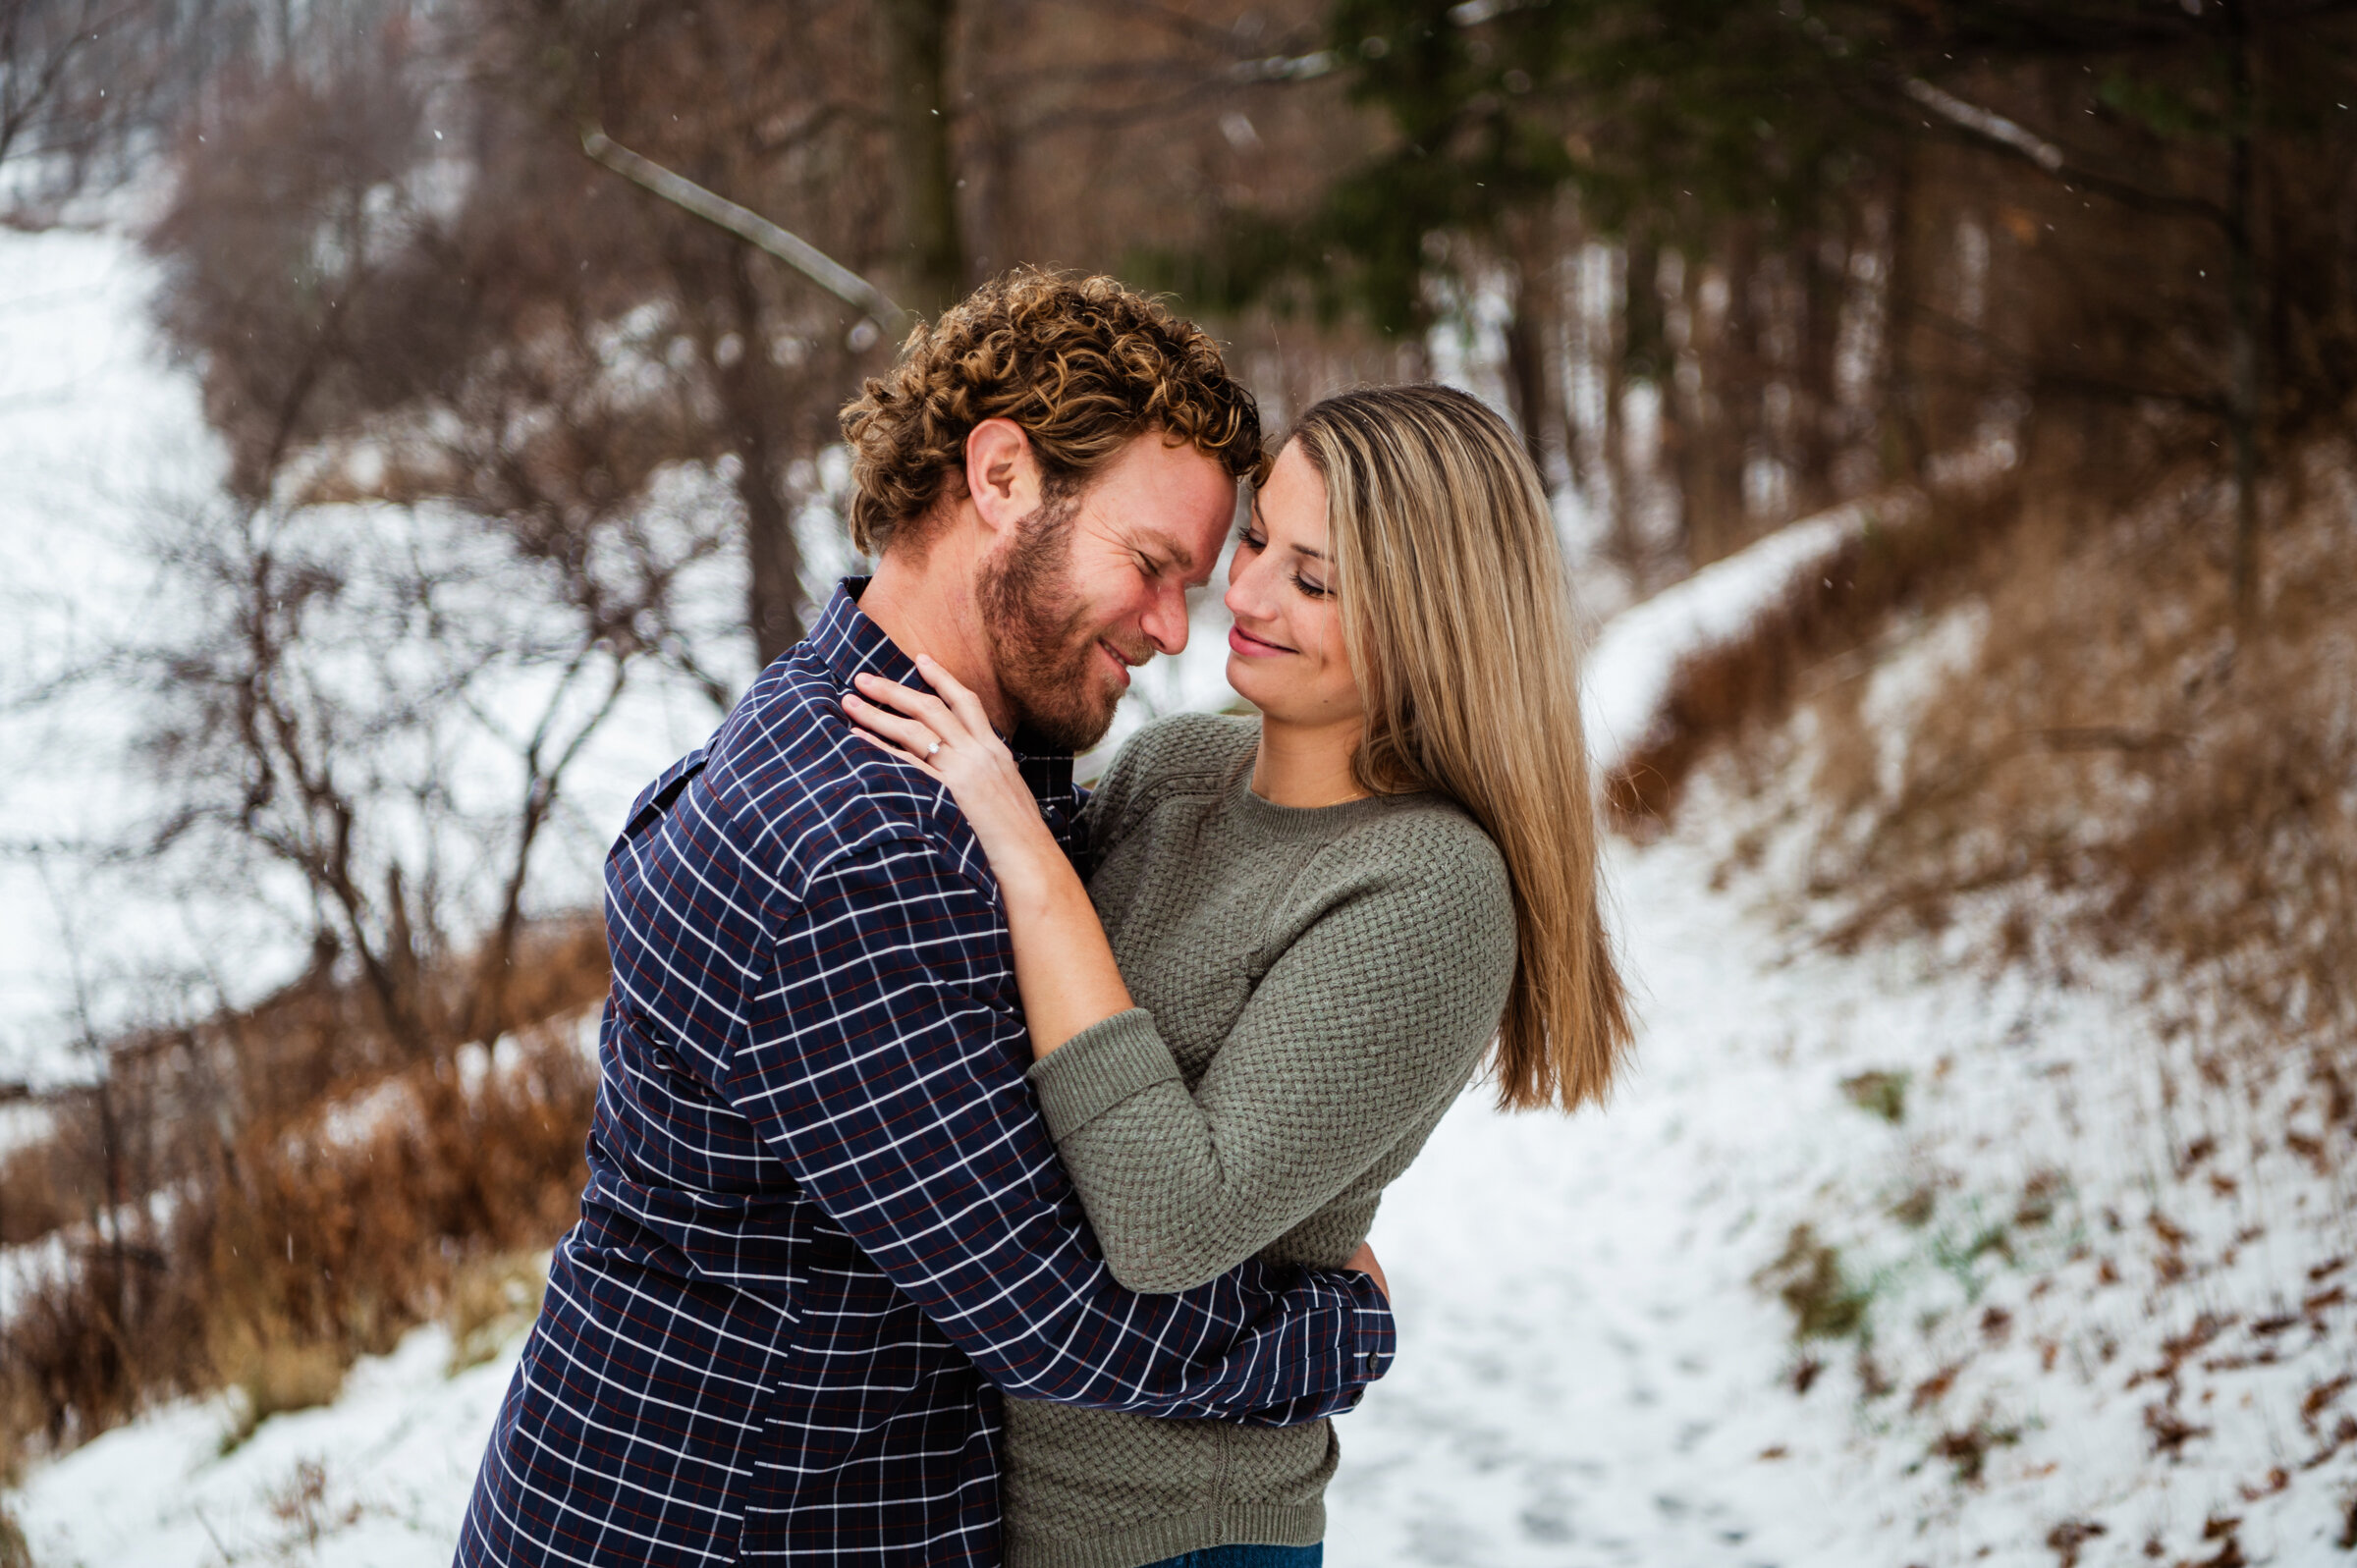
(1002, 474)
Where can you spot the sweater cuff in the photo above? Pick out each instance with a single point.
(1098, 1068)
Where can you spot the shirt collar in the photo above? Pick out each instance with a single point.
(848, 643)
(851, 644)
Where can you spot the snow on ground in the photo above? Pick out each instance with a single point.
(375, 1480)
(2092, 1308)
(96, 430)
(1594, 1369)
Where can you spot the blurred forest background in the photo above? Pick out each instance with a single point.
(2065, 290)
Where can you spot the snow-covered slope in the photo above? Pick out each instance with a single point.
(374, 1481)
(2089, 1309)
(97, 432)
(1593, 1370)
(2067, 1336)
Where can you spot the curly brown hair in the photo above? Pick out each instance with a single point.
(1082, 364)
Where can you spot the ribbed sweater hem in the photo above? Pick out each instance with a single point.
(1258, 1524)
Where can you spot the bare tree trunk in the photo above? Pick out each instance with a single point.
(995, 140)
(1573, 348)
(1695, 454)
(1621, 534)
(1817, 401)
(406, 967)
(1526, 339)
(1731, 392)
(1900, 419)
(2242, 273)
(774, 593)
(913, 39)
(1636, 357)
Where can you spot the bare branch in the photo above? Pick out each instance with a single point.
(749, 226)
(1986, 124)
(1989, 129)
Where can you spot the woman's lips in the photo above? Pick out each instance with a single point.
(1252, 647)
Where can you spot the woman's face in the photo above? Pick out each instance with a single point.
(1285, 654)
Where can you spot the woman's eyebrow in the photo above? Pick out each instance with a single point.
(1298, 549)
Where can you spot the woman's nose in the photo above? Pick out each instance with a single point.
(1245, 595)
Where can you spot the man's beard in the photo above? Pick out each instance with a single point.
(1046, 659)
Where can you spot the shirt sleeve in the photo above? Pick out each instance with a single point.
(1379, 1008)
(882, 1066)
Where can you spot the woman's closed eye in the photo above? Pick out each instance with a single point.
(1248, 538)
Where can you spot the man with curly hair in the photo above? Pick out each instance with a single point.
(825, 1225)
(1041, 477)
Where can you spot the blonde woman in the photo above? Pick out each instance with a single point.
(1302, 931)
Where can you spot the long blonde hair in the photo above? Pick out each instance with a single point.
(1456, 614)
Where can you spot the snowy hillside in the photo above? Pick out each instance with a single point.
(2080, 1338)
(2056, 1329)
(2065, 1303)
(1634, 667)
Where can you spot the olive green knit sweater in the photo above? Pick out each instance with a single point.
(1313, 989)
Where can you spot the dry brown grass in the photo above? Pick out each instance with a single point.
(2120, 766)
(489, 1301)
(279, 1374)
(267, 1254)
(31, 1203)
(175, 1095)
(2125, 766)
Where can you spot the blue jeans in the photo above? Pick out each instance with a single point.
(1247, 1557)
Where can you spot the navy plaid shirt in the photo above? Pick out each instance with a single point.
(824, 1218)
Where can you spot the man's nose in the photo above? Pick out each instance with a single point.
(1165, 622)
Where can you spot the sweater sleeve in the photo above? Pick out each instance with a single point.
(878, 1068)
(1381, 1004)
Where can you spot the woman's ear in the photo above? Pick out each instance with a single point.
(1002, 474)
